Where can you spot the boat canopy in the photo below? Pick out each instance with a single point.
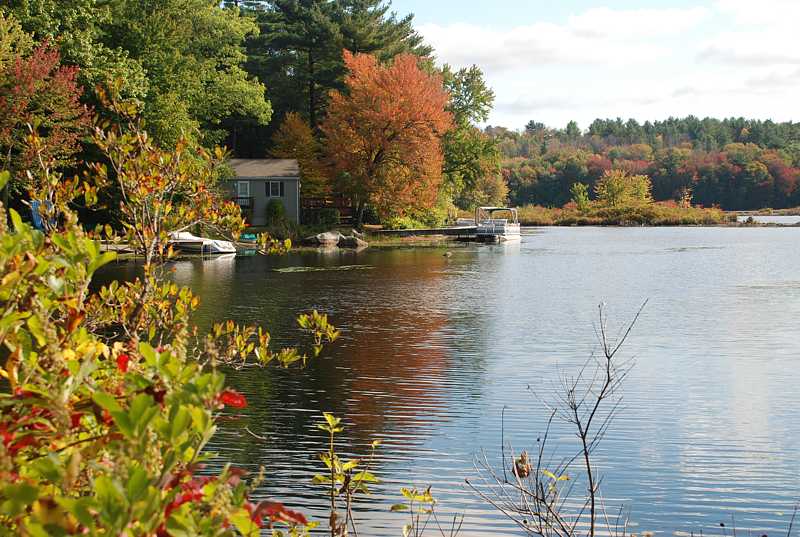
(491, 210)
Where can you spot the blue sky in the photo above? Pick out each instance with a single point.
(553, 61)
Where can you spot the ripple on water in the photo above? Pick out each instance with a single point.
(433, 348)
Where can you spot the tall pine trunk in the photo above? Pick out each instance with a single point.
(312, 93)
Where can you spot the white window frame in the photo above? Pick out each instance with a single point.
(243, 193)
(278, 185)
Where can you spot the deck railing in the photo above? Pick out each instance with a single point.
(496, 227)
(246, 205)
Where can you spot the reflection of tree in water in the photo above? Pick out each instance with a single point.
(390, 375)
(387, 376)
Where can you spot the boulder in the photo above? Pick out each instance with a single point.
(329, 238)
(352, 242)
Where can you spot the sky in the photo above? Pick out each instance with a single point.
(554, 61)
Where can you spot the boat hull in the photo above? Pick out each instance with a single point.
(188, 243)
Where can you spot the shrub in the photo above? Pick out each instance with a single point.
(275, 212)
(371, 216)
(402, 222)
(107, 409)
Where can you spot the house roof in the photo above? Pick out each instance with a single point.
(265, 167)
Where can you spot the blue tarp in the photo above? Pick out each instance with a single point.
(37, 218)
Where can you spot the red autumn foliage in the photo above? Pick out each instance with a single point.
(232, 398)
(383, 134)
(122, 362)
(276, 512)
(37, 90)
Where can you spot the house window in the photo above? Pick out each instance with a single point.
(274, 189)
(243, 189)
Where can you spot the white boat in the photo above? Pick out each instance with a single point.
(186, 242)
(493, 229)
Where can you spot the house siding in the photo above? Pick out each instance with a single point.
(258, 191)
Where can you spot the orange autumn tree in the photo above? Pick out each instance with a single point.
(384, 134)
(295, 139)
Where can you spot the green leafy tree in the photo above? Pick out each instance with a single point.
(471, 157)
(619, 189)
(182, 58)
(80, 30)
(580, 196)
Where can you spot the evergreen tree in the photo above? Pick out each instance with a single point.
(298, 54)
(368, 27)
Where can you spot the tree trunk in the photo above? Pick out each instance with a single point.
(360, 214)
(312, 93)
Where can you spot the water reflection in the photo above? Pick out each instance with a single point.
(434, 346)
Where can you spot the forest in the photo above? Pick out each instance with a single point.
(736, 164)
(279, 79)
(285, 79)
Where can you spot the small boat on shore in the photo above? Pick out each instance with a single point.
(490, 228)
(188, 243)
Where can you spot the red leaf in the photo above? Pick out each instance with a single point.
(277, 512)
(75, 419)
(23, 442)
(122, 362)
(232, 398)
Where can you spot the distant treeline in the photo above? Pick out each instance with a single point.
(732, 163)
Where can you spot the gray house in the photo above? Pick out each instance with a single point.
(260, 180)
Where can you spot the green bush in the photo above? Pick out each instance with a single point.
(403, 222)
(324, 218)
(275, 212)
(371, 216)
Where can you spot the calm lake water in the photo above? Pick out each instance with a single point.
(434, 347)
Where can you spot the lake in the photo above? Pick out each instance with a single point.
(781, 220)
(434, 347)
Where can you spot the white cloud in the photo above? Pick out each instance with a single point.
(729, 57)
(596, 36)
(621, 24)
(763, 12)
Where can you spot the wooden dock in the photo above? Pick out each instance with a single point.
(457, 231)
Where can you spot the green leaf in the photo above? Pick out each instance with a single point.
(18, 498)
(149, 354)
(80, 508)
(241, 519)
(16, 220)
(48, 468)
(399, 507)
(332, 420)
(137, 484)
(349, 465)
(366, 477)
(5, 176)
(106, 402)
(35, 327)
(180, 422)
